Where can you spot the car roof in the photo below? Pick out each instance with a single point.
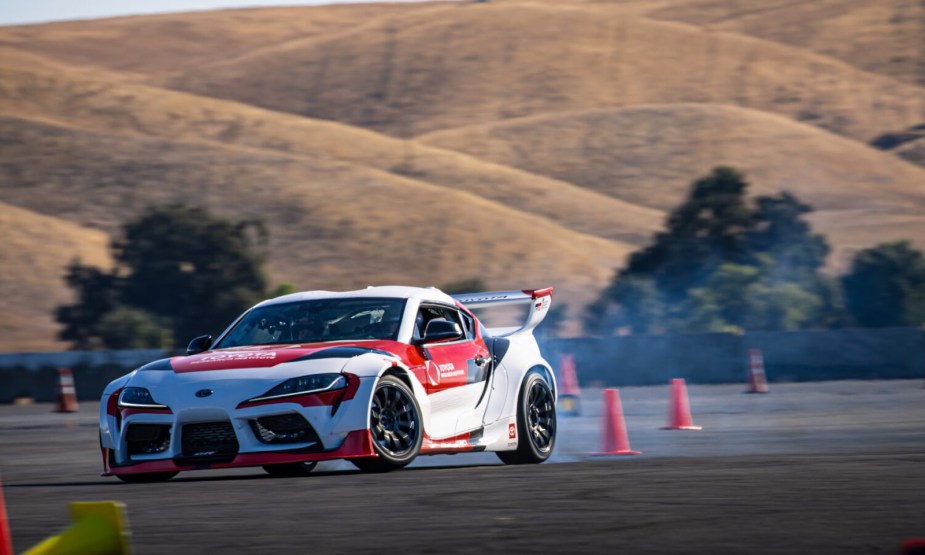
(429, 294)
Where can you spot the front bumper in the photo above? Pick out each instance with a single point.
(206, 436)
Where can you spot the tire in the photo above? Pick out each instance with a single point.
(394, 425)
(149, 478)
(290, 470)
(536, 422)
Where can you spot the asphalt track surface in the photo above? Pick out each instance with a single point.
(835, 467)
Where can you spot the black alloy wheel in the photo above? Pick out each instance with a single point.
(536, 422)
(395, 427)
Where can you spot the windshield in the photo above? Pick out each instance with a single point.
(317, 320)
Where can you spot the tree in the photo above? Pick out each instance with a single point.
(131, 328)
(705, 232)
(178, 269)
(631, 302)
(97, 294)
(886, 286)
(722, 264)
(779, 232)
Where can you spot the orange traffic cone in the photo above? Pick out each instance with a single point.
(569, 391)
(757, 380)
(679, 411)
(614, 439)
(6, 541)
(67, 394)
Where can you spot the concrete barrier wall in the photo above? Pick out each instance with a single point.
(611, 361)
(889, 353)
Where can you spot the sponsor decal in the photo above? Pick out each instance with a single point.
(237, 355)
(486, 298)
(542, 303)
(512, 431)
(449, 370)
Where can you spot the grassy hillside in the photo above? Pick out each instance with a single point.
(646, 155)
(35, 254)
(879, 37)
(333, 223)
(475, 63)
(46, 93)
(168, 43)
(526, 142)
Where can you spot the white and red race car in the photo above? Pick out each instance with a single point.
(376, 376)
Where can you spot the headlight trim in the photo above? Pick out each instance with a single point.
(136, 403)
(338, 381)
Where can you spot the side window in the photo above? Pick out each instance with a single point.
(431, 312)
(468, 325)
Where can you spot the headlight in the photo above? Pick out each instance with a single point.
(315, 383)
(138, 397)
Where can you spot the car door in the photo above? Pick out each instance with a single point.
(457, 371)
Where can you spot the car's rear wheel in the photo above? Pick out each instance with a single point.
(536, 422)
(291, 470)
(147, 478)
(395, 427)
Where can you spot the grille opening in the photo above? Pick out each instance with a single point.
(212, 441)
(283, 428)
(147, 439)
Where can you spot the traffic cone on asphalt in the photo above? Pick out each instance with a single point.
(99, 529)
(614, 439)
(679, 411)
(67, 394)
(569, 392)
(6, 540)
(757, 380)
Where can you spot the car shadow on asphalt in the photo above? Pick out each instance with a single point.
(244, 477)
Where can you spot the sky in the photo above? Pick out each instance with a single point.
(14, 12)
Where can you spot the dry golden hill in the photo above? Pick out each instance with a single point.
(96, 152)
(91, 136)
(879, 36)
(34, 257)
(646, 155)
(331, 223)
(52, 94)
(334, 223)
(424, 71)
(167, 43)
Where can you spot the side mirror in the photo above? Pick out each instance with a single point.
(441, 330)
(198, 345)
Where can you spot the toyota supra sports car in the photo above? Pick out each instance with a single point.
(376, 376)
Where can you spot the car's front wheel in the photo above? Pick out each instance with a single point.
(290, 470)
(395, 427)
(536, 422)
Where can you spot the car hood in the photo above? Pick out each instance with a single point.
(244, 372)
(266, 356)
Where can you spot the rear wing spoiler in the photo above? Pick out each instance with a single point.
(539, 300)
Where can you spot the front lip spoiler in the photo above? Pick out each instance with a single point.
(357, 444)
